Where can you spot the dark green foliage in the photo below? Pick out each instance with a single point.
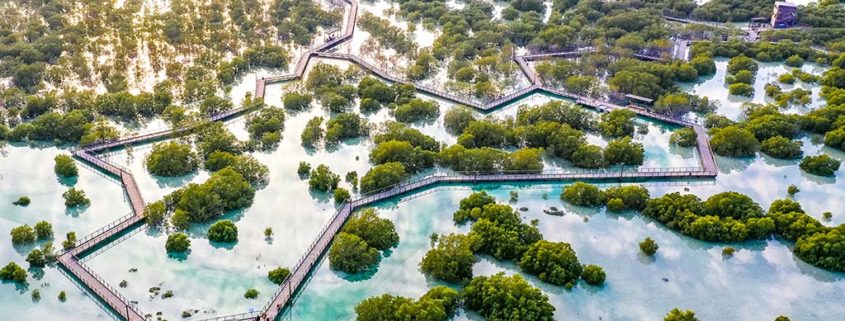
(215, 137)
(382, 176)
(684, 137)
(484, 133)
(500, 232)
(251, 294)
(377, 232)
(835, 138)
(154, 213)
(588, 156)
(678, 315)
(303, 169)
(733, 205)
(481, 160)
(417, 110)
(821, 165)
(457, 118)
(401, 132)
(387, 35)
(65, 166)
(582, 194)
(299, 20)
(171, 159)
(35, 258)
(177, 243)
(250, 168)
(22, 201)
(351, 254)
(278, 275)
(556, 111)
(553, 262)
(470, 207)
(439, 304)
(322, 179)
(265, 126)
(617, 123)
(43, 230)
(623, 151)
(297, 101)
(502, 298)
(413, 158)
(254, 57)
(593, 274)
(341, 195)
(781, 147)
(451, 260)
(225, 190)
(213, 105)
(13, 272)
(733, 141)
(313, 132)
(345, 126)
(70, 240)
(75, 197)
(741, 89)
(223, 231)
(649, 246)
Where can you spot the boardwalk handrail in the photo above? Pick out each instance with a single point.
(99, 231)
(111, 289)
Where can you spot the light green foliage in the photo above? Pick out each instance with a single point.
(225, 190)
(678, 315)
(13, 272)
(684, 137)
(782, 147)
(617, 123)
(582, 194)
(278, 275)
(377, 232)
(346, 126)
(251, 294)
(500, 232)
(593, 274)
(629, 197)
(417, 110)
(65, 166)
(75, 197)
(341, 195)
(382, 176)
(553, 262)
(223, 231)
(43, 230)
(733, 141)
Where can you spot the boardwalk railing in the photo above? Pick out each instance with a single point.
(99, 232)
(104, 290)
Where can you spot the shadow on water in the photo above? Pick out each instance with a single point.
(179, 257)
(76, 210)
(358, 277)
(821, 180)
(729, 165)
(176, 181)
(68, 181)
(20, 287)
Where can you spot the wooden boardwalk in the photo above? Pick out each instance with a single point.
(70, 259)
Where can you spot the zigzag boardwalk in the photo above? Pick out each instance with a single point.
(300, 272)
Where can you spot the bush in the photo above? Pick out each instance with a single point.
(617, 123)
(297, 101)
(35, 258)
(733, 205)
(322, 179)
(821, 165)
(782, 147)
(684, 137)
(74, 197)
(417, 110)
(593, 274)
(223, 231)
(623, 151)
(500, 232)
(582, 194)
(382, 176)
(65, 166)
(379, 233)
(792, 190)
(13, 272)
(733, 141)
(588, 156)
(649, 246)
(171, 159)
(313, 132)
(741, 62)
(265, 126)
(154, 213)
(303, 169)
(451, 260)
(835, 138)
(225, 190)
(278, 275)
(43, 230)
(177, 243)
(351, 254)
(251, 294)
(458, 118)
(22, 201)
(439, 304)
(741, 89)
(794, 61)
(678, 315)
(825, 249)
(499, 297)
(70, 241)
(553, 262)
(341, 195)
(23, 234)
(633, 197)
